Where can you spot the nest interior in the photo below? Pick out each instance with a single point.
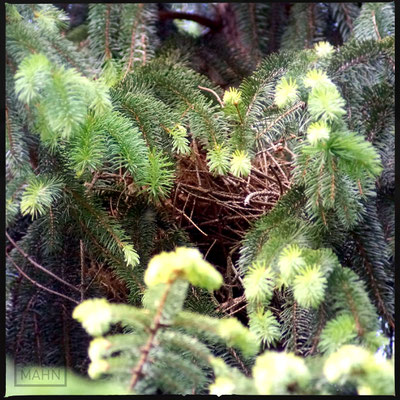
(217, 211)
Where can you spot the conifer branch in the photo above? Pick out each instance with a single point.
(108, 255)
(38, 284)
(107, 33)
(321, 324)
(9, 135)
(137, 371)
(34, 263)
(354, 311)
(66, 336)
(133, 40)
(381, 304)
(37, 337)
(24, 315)
(300, 104)
(83, 269)
(97, 216)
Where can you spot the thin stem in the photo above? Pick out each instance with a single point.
(214, 93)
(133, 40)
(38, 284)
(10, 139)
(107, 33)
(138, 370)
(240, 116)
(375, 25)
(300, 104)
(39, 266)
(82, 254)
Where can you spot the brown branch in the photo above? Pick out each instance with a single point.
(277, 180)
(12, 66)
(37, 337)
(295, 338)
(354, 61)
(191, 221)
(311, 24)
(107, 33)
(237, 358)
(374, 285)
(239, 309)
(94, 278)
(136, 115)
(359, 327)
(52, 234)
(214, 25)
(66, 337)
(238, 111)
(138, 370)
(321, 324)
(359, 187)
(22, 325)
(212, 245)
(375, 25)
(38, 284)
(143, 41)
(38, 265)
(9, 135)
(347, 16)
(214, 93)
(277, 177)
(333, 181)
(133, 40)
(82, 255)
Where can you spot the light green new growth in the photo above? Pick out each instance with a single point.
(156, 331)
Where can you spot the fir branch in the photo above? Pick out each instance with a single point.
(375, 288)
(137, 371)
(89, 207)
(38, 284)
(300, 104)
(66, 336)
(38, 266)
(9, 135)
(109, 256)
(107, 32)
(353, 309)
(133, 40)
(83, 269)
(321, 325)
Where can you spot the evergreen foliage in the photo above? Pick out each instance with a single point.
(267, 141)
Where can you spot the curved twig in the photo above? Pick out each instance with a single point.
(38, 265)
(38, 284)
(214, 93)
